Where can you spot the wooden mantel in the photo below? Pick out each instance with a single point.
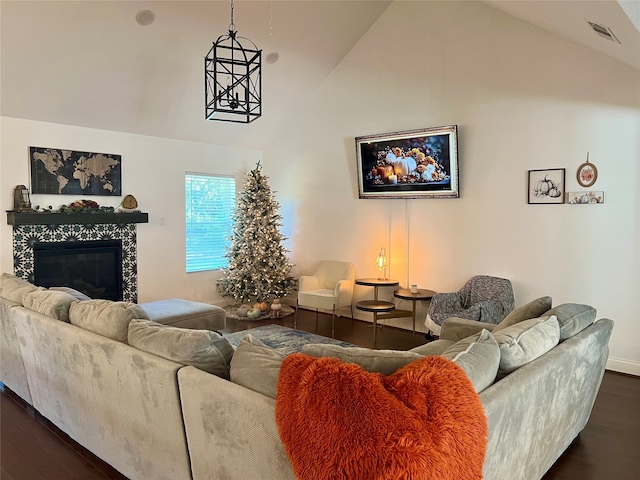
(56, 218)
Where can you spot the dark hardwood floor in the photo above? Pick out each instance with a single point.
(31, 448)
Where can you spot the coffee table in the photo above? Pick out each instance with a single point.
(407, 294)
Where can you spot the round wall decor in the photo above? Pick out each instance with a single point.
(587, 174)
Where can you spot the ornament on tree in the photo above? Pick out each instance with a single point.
(258, 265)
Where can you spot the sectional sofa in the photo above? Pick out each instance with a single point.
(171, 403)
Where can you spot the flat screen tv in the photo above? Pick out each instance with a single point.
(411, 164)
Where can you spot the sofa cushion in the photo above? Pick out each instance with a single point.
(525, 341)
(479, 357)
(14, 288)
(533, 309)
(51, 303)
(573, 318)
(71, 291)
(377, 361)
(437, 347)
(106, 318)
(256, 366)
(202, 349)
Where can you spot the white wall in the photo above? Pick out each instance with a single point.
(523, 100)
(153, 171)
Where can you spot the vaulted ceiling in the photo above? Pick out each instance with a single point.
(88, 63)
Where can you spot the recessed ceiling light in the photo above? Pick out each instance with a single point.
(145, 17)
(273, 57)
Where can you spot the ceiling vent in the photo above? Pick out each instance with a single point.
(604, 31)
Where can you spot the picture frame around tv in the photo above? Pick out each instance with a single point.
(410, 164)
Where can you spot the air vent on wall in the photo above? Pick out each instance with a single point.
(603, 31)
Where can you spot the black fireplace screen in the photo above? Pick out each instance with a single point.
(93, 268)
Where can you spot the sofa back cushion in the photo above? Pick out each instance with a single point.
(72, 291)
(106, 318)
(14, 288)
(202, 349)
(376, 361)
(479, 357)
(525, 341)
(573, 318)
(534, 309)
(51, 303)
(256, 366)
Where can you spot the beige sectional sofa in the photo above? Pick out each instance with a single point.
(155, 412)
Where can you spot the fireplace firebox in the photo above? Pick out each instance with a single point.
(93, 268)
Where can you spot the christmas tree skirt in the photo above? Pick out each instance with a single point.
(285, 311)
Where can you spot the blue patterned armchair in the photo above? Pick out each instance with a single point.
(483, 298)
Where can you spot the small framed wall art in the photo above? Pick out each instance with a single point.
(546, 186)
(587, 174)
(585, 198)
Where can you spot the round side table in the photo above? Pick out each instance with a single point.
(421, 294)
(376, 306)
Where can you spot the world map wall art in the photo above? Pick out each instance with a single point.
(69, 172)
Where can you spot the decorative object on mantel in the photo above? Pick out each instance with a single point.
(411, 164)
(68, 172)
(129, 204)
(587, 174)
(546, 186)
(233, 79)
(584, 198)
(21, 200)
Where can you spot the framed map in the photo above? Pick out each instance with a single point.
(67, 172)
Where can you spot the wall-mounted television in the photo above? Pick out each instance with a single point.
(411, 164)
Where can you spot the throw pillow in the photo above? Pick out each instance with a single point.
(256, 366)
(437, 347)
(50, 303)
(378, 361)
(533, 309)
(203, 349)
(71, 291)
(14, 288)
(106, 318)
(525, 341)
(336, 420)
(573, 318)
(479, 357)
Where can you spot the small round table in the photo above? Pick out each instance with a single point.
(376, 306)
(421, 294)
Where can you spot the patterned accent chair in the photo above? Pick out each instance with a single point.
(483, 298)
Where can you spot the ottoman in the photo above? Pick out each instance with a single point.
(176, 312)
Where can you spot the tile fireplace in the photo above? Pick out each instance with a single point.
(99, 244)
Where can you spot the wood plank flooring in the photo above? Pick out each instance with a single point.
(31, 448)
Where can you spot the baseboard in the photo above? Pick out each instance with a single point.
(623, 366)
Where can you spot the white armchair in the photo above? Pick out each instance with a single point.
(329, 288)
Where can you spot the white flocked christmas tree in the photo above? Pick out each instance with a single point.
(259, 269)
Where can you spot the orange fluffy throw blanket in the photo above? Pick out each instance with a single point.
(338, 421)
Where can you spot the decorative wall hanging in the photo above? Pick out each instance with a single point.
(233, 79)
(587, 174)
(584, 198)
(68, 172)
(411, 164)
(546, 186)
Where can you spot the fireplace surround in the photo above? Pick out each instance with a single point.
(30, 229)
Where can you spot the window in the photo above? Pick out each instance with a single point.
(210, 200)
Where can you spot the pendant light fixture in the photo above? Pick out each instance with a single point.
(233, 79)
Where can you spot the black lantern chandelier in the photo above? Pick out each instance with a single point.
(233, 81)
